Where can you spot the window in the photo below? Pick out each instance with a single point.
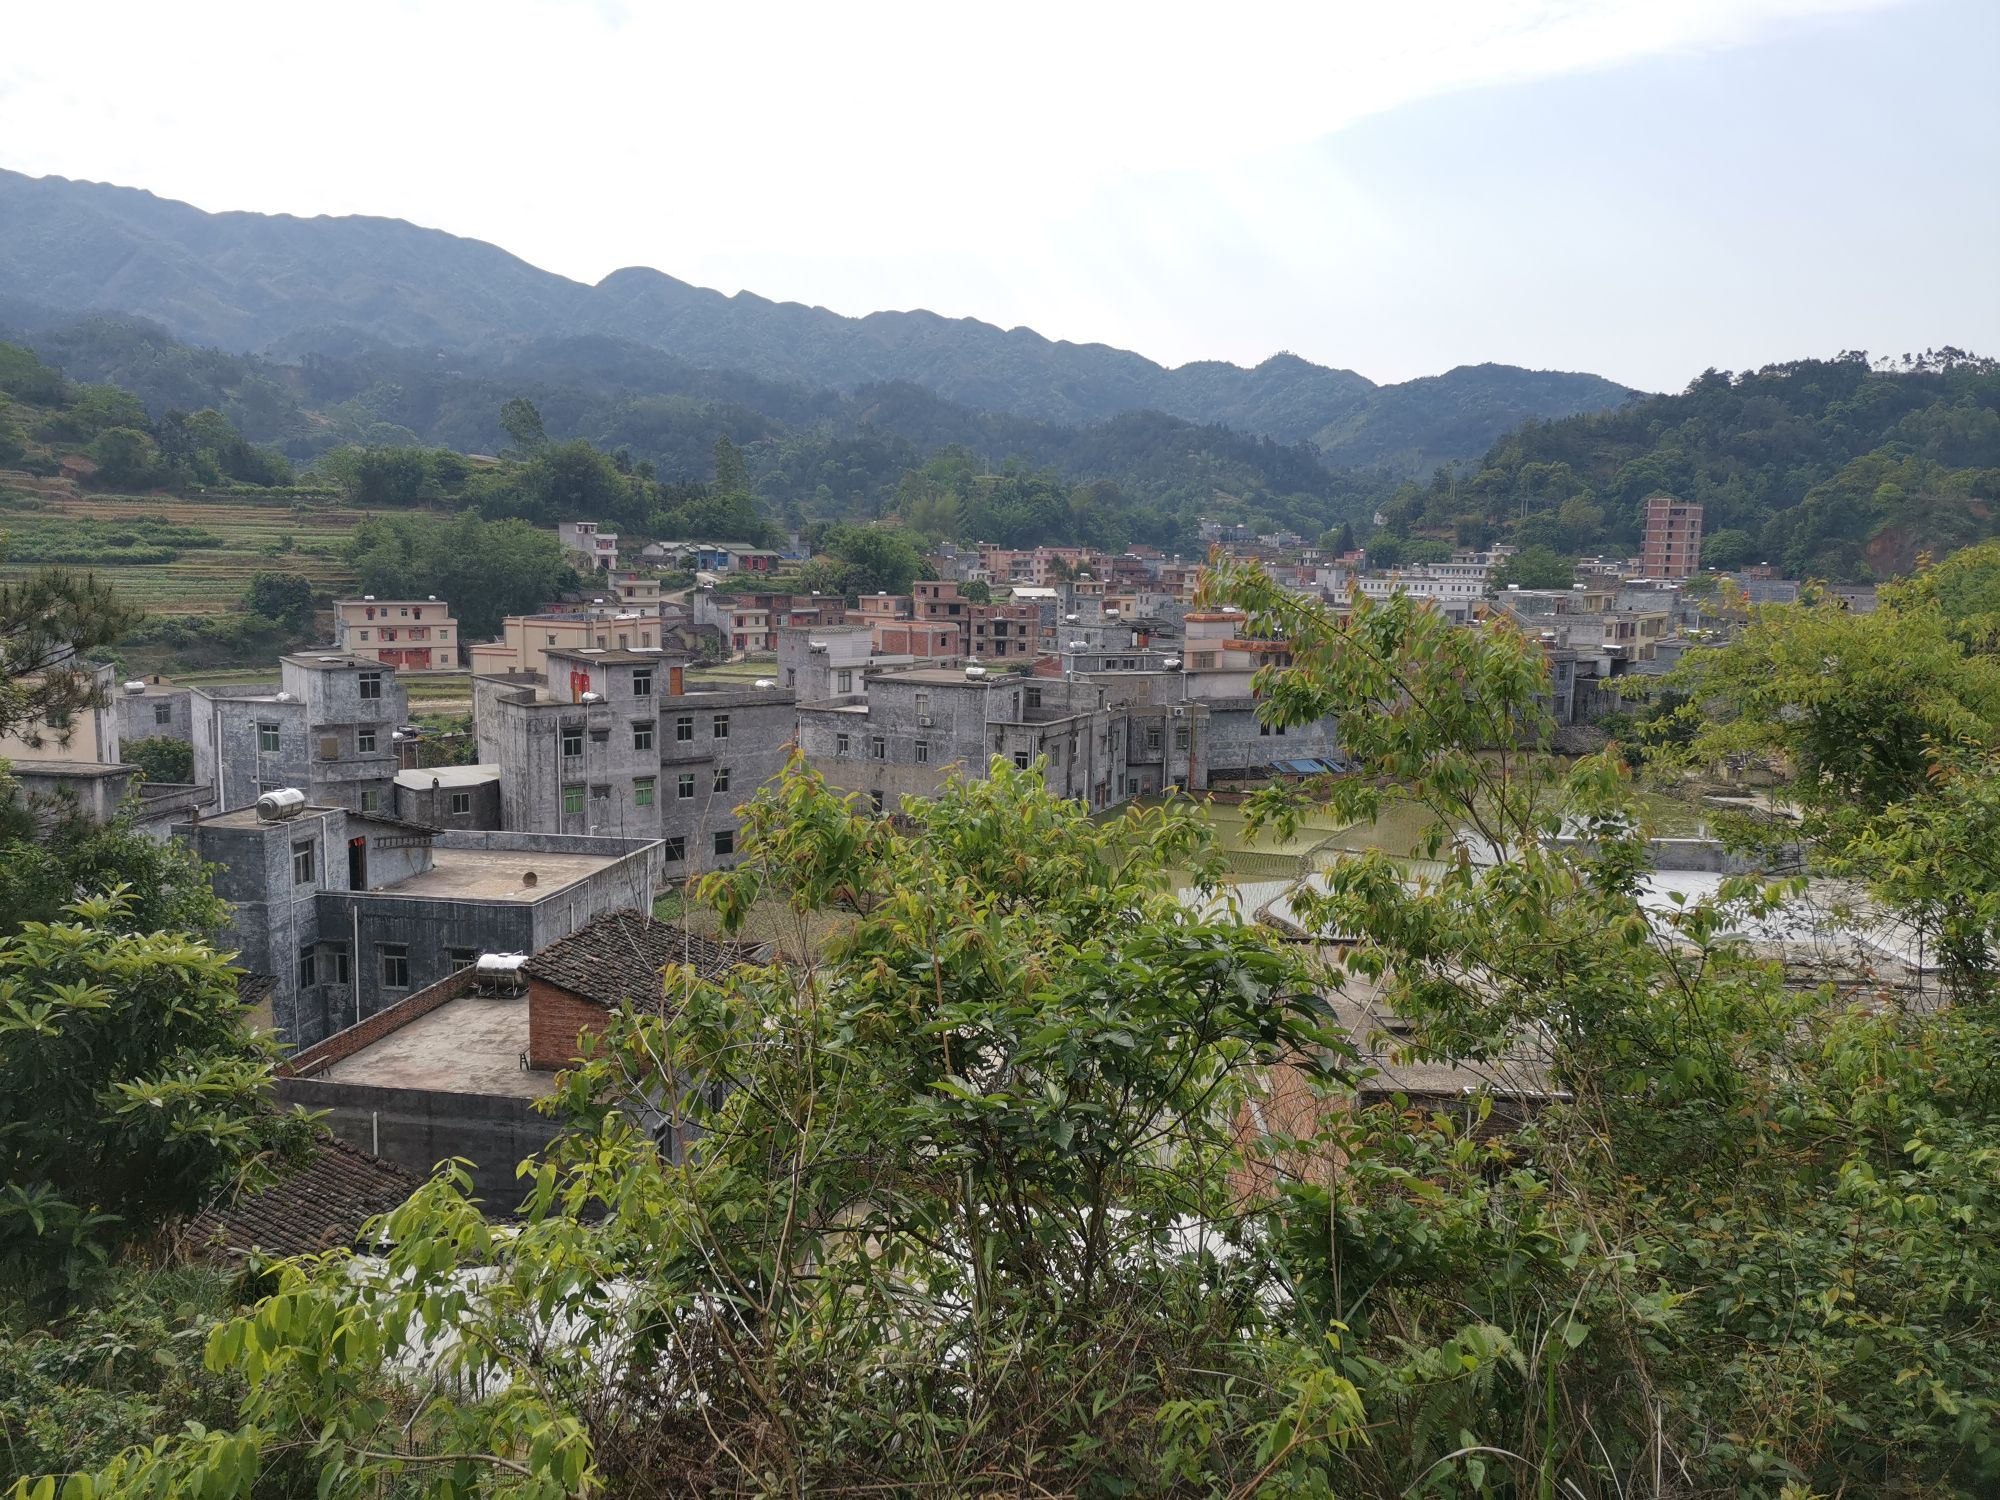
(844, 680)
(677, 850)
(371, 686)
(461, 958)
(461, 804)
(1153, 737)
(395, 965)
(364, 742)
(878, 748)
(642, 736)
(722, 778)
(642, 792)
(1180, 737)
(552, 640)
(601, 792)
(267, 739)
(642, 680)
(1204, 661)
(1055, 755)
(923, 752)
(371, 799)
(1021, 760)
(572, 739)
(341, 973)
(308, 974)
(725, 841)
(842, 744)
(329, 747)
(720, 729)
(923, 705)
(684, 728)
(684, 788)
(163, 713)
(875, 800)
(1033, 697)
(302, 864)
(573, 798)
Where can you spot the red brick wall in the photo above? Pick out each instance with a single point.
(556, 1018)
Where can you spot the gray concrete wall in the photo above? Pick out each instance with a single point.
(418, 1128)
(159, 713)
(434, 805)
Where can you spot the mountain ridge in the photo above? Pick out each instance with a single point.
(254, 283)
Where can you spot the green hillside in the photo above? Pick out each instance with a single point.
(1835, 468)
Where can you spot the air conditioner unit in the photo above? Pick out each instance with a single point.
(923, 721)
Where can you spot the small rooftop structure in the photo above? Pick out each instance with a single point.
(620, 957)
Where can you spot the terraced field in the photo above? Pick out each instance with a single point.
(291, 536)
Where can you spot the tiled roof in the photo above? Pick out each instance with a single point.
(620, 956)
(319, 1206)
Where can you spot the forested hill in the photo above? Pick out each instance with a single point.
(294, 287)
(1832, 468)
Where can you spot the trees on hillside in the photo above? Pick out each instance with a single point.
(486, 569)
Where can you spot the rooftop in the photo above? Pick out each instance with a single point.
(621, 956)
(473, 1044)
(499, 874)
(447, 776)
(615, 656)
(319, 1205)
(331, 661)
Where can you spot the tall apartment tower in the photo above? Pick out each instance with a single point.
(1673, 538)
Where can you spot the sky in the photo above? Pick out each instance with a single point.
(1640, 188)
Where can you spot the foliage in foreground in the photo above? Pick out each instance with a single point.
(130, 1090)
(981, 1203)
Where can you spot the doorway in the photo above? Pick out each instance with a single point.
(357, 863)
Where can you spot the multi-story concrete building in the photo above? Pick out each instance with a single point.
(418, 633)
(751, 622)
(1459, 595)
(327, 729)
(1103, 737)
(589, 547)
(985, 631)
(622, 743)
(1672, 546)
(347, 913)
(526, 640)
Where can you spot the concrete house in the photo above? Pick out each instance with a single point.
(622, 743)
(588, 547)
(418, 633)
(349, 912)
(327, 730)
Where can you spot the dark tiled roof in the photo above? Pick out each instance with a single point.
(620, 956)
(321, 1205)
(256, 989)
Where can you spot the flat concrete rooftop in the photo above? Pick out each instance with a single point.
(246, 817)
(470, 1045)
(498, 874)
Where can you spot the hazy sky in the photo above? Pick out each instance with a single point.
(1636, 187)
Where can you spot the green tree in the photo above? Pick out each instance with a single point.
(164, 887)
(1728, 549)
(979, 591)
(732, 475)
(1534, 568)
(883, 559)
(284, 597)
(49, 622)
(522, 420)
(126, 457)
(486, 570)
(160, 757)
(130, 1089)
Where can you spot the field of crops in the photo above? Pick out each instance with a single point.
(209, 578)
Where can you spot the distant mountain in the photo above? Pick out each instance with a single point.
(291, 287)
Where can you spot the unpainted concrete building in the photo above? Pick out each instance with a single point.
(349, 912)
(623, 743)
(328, 730)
